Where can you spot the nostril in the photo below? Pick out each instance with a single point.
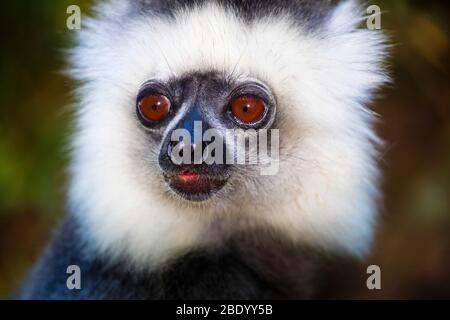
(179, 149)
(171, 146)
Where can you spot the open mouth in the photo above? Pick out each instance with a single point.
(194, 185)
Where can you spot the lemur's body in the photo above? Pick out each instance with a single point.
(270, 270)
(143, 227)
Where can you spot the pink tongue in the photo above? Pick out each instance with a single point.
(188, 177)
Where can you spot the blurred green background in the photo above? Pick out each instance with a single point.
(413, 245)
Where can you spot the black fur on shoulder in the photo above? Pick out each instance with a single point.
(240, 270)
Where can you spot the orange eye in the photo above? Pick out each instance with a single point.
(154, 107)
(248, 109)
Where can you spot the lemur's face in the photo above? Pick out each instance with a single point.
(147, 73)
(204, 107)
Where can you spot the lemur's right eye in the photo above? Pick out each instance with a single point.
(154, 107)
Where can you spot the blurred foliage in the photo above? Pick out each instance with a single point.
(34, 126)
(413, 246)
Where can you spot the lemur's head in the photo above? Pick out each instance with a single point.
(163, 81)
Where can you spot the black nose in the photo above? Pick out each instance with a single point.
(194, 148)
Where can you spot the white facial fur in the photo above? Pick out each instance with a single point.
(325, 193)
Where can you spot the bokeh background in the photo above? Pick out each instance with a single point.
(413, 244)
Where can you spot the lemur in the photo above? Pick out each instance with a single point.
(141, 226)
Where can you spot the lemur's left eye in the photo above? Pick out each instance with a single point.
(154, 107)
(248, 109)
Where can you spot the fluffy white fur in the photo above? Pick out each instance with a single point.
(325, 194)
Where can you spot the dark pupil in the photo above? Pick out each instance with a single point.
(245, 108)
(156, 106)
